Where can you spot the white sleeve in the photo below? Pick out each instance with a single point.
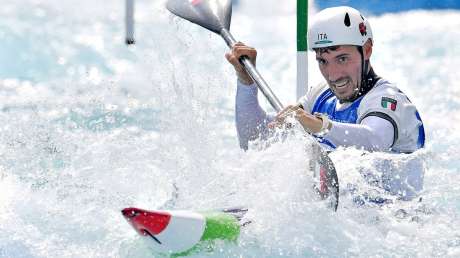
(251, 120)
(373, 134)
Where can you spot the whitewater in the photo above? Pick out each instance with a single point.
(90, 126)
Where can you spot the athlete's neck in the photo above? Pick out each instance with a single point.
(369, 81)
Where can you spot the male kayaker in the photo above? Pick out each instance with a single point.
(354, 107)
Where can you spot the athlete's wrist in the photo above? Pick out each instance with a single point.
(245, 82)
(326, 124)
(244, 78)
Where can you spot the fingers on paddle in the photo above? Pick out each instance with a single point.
(240, 49)
(245, 51)
(232, 59)
(294, 111)
(285, 112)
(299, 112)
(303, 116)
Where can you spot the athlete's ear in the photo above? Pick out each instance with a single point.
(367, 49)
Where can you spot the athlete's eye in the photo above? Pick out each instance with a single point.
(342, 59)
(321, 61)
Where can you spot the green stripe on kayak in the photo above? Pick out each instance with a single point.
(219, 225)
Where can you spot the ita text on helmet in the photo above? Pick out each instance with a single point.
(341, 25)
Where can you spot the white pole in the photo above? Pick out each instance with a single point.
(129, 22)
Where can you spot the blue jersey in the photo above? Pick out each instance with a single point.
(385, 101)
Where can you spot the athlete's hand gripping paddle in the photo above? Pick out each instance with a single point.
(215, 15)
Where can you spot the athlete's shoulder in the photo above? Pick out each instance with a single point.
(387, 101)
(308, 101)
(384, 87)
(384, 96)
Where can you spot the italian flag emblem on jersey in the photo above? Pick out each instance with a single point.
(389, 103)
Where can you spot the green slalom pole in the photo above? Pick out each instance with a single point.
(302, 48)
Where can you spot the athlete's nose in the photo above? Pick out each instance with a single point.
(333, 73)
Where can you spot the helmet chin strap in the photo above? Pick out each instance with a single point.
(368, 79)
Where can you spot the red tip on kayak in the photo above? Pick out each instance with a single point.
(154, 222)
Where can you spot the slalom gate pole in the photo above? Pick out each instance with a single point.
(302, 48)
(129, 22)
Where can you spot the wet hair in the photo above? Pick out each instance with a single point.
(322, 50)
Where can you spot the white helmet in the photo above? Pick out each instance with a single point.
(341, 25)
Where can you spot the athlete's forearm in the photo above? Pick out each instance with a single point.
(373, 134)
(251, 119)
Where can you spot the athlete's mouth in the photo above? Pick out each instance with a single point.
(340, 83)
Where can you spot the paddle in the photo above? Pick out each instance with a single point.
(215, 15)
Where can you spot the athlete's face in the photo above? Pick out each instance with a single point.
(341, 67)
